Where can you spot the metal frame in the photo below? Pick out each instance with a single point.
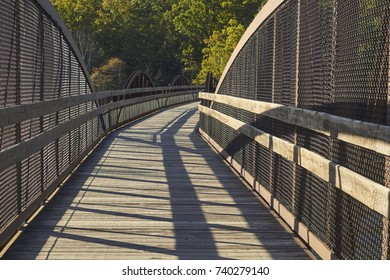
(23, 150)
(48, 7)
(264, 13)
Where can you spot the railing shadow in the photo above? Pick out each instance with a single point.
(194, 211)
(257, 216)
(53, 222)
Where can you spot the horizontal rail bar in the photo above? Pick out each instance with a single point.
(367, 135)
(373, 195)
(24, 149)
(15, 114)
(300, 228)
(17, 153)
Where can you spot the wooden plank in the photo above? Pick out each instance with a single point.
(301, 229)
(373, 195)
(371, 136)
(183, 202)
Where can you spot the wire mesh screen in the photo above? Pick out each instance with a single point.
(37, 64)
(327, 56)
(51, 118)
(361, 89)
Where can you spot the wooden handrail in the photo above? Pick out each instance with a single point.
(373, 195)
(367, 135)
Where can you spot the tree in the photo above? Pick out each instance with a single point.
(203, 22)
(165, 36)
(136, 32)
(112, 75)
(79, 16)
(219, 47)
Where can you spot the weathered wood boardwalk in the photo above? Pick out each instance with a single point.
(156, 190)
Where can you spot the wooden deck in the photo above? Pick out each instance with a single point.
(156, 190)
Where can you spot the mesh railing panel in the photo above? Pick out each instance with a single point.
(315, 55)
(37, 65)
(285, 55)
(264, 68)
(8, 195)
(327, 56)
(50, 136)
(361, 75)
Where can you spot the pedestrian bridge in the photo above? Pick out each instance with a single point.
(288, 159)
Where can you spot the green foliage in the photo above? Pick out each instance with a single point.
(203, 24)
(166, 36)
(219, 47)
(112, 75)
(80, 16)
(136, 32)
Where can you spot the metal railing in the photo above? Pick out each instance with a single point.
(49, 117)
(302, 112)
(31, 169)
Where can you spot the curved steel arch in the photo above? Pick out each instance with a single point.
(180, 80)
(48, 7)
(139, 79)
(327, 59)
(263, 15)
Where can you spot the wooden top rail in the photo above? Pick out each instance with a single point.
(373, 195)
(19, 113)
(367, 135)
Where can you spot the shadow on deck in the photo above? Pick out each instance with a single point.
(155, 190)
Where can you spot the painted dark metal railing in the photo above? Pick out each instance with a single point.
(303, 112)
(139, 79)
(50, 119)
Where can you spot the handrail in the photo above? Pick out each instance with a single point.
(301, 112)
(371, 136)
(368, 192)
(26, 148)
(109, 116)
(14, 114)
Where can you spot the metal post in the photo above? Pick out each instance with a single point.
(296, 104)
(17, 18)
(42, 89)
(386, 224)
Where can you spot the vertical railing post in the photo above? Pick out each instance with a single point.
(69, 110)
(17, 18)
(42, 89)
(386, 224)
(57, 121)
(272, 155)
(296, 104)
(332, 88)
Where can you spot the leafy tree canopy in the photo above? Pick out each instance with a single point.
(165, 36)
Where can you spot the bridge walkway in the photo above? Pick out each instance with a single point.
(156, 190)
